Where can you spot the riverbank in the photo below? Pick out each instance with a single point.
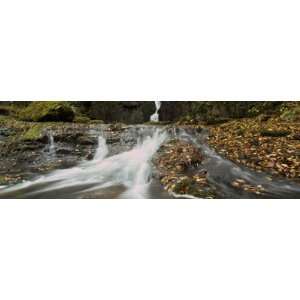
(269, 145)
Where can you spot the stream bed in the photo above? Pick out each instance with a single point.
(122, 167)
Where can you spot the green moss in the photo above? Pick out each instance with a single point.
(3, 180)
(4, 119)
(96, 122)
(82, 119)
(43, 111)
(264, 107)
(291, 114)
(35, 132)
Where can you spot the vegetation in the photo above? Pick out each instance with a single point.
(45, 111)
(290, 112)
(34, 133)
(82, 119)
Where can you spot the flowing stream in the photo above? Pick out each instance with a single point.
(52, 150)
(124, 175)
(126, 171)
(155, 116)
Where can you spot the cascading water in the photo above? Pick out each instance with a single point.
(102, 149)
(124, 170)
(155, 116)
(127, 173)
(51, 145)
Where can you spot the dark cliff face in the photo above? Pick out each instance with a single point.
(130, 112)
(173, 110)
(134, 112)
(214, 110)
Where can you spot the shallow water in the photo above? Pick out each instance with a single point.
(127, 174)
(124, 170)
(222, 172)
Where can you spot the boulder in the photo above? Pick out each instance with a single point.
(47, 111)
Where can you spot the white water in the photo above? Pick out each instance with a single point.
(155, 116)
(102, 150)
(130, 169)
(51, 144)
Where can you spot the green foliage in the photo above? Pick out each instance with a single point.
(291, 113)
(263, 107)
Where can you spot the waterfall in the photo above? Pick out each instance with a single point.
(130, 170)
(155, 116)
(51, 144)
(102, 149)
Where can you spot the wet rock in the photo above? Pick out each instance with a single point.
(68, 137)
(5, 132)
(63, 151)
(87, 140)
(113, 140)
(29, 147)
(116, 127)
(75, 138)
(89, 156)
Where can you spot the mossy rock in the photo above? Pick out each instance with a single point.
(96, 122)
(82, 119)
(47, 111)
(291, 114)
(35, 133)
(3, 180)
